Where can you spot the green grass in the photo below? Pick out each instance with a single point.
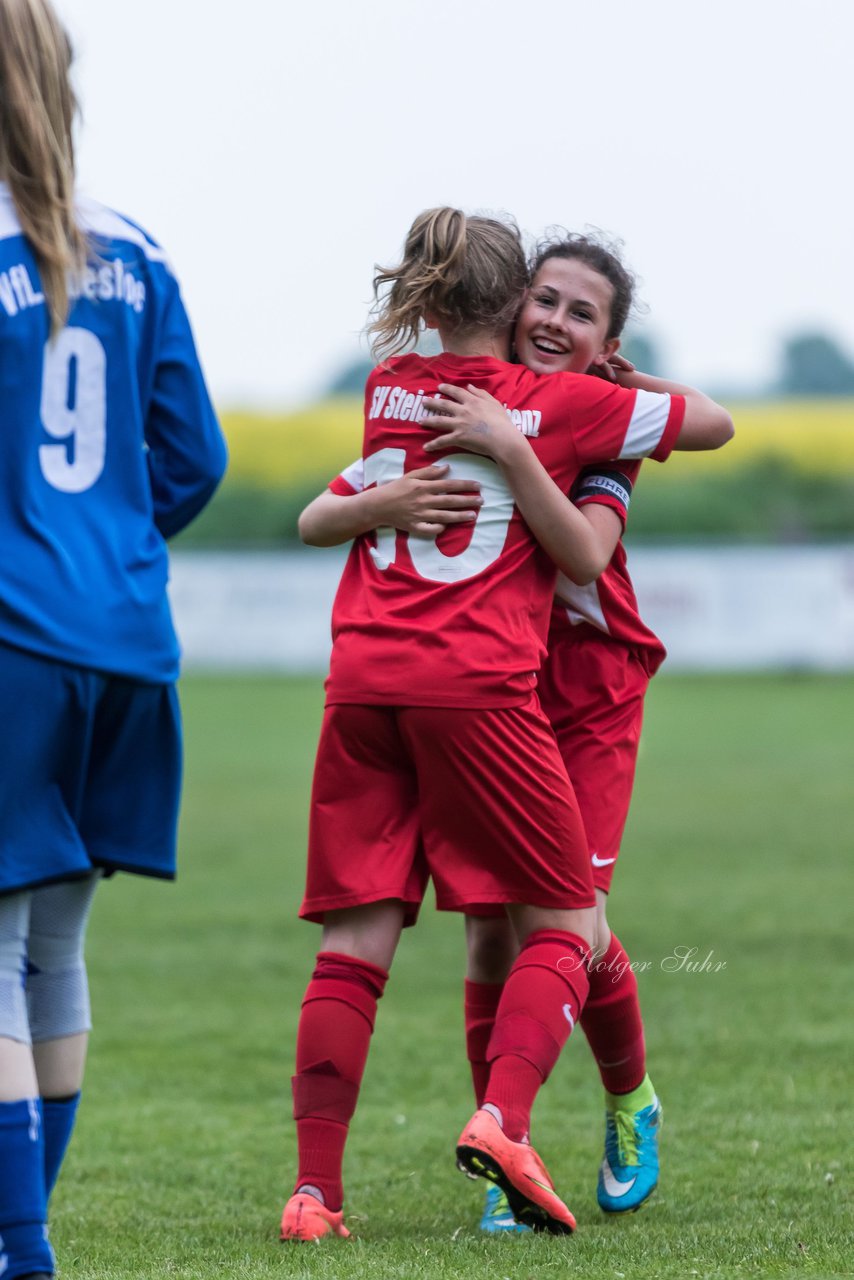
(739, 845)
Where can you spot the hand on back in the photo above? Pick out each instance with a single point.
(425, 501)
(470, 418)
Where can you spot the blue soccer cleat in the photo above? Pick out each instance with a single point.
(497, 1214)
(629, 1172)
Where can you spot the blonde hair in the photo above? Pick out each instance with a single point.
(37, 107)
(463, 272)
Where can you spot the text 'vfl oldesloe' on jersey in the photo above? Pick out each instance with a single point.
(110, 446)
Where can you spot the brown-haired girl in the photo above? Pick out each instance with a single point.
(435, 758)
(591, 686)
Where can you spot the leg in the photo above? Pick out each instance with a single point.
(611, 1020)
(539, 1006)
(593, 693)
(336, 1023)
(491, 948)
(540, 1003)
(368, 933)
(501, 826)
(58, 1008)
(17, 1071)
(364, 876)
(24, 1249)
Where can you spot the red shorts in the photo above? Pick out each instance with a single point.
(477, 799)
(592, 691)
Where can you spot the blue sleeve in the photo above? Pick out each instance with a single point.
(187, 455)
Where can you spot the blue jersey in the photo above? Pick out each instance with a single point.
(109, 446)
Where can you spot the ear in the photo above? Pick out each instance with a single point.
(430, 321)
(610, 348)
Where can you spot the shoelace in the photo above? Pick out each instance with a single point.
(627, 1137)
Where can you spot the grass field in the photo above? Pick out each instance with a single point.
(739, 846)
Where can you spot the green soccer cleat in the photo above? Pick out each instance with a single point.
(629, 1172)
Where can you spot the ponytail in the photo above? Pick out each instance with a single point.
(460, 272)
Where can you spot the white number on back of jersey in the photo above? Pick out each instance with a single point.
(380, 468)
(489, 533)
(74, 410)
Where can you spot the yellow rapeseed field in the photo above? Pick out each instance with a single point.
(277, 451)
(315, 443)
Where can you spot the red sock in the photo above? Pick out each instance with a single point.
(334, 1035)
(481, 1004)
(541, 1002)
(612, 1020)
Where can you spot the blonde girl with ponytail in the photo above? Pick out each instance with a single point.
(435, 758)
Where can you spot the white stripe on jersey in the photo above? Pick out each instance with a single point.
(355, 475)
(9, 224)
(94, 217)
(100, 220)
(582, 603)
(649, 418)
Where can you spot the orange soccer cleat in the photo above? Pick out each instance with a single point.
(307, 1218)
(483, 1150)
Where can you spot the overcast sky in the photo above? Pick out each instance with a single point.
(278, 150)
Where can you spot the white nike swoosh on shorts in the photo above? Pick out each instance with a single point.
(601, 862)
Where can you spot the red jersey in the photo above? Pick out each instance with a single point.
(461, 620)
(609, 604)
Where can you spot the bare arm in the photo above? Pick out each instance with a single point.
(581, 542)
(706, 425)
(422, 502)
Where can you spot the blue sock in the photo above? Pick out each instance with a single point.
(23, 1203)
(59, 1116)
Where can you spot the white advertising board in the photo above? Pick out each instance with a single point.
(734, 608)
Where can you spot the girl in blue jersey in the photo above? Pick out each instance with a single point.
(110, 446)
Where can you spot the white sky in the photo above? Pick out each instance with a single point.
(279, 148)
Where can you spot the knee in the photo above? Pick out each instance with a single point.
(14, 1023)
(602, 940)
(369, 933)
(58, 924)
(57, 987)
(492, 948)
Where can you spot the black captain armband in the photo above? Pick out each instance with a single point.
(597, 484)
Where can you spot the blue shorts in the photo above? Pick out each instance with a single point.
(90, 773)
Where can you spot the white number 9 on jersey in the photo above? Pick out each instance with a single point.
(74, 410)
(489, 533)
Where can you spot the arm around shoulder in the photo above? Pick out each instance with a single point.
(422, 502)
(706, 425)
(333, 518)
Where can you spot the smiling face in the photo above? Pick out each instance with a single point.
(564, 322)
